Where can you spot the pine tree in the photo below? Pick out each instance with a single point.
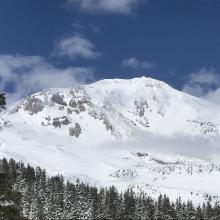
(101, 213)
(150, 208)
(190, 210)
(69, 201)
(207, 211)
(129, 203)
(167, 209)
(39, 200)
(158, 215)
(96, 203)
(9, 201)
(112, 202)
(121, 207)
(140, 209)
(83, 202)
(2, 101)
(55, 197)
(199, 215)
(216, 211)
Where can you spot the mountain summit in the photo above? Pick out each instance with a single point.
(139, 132)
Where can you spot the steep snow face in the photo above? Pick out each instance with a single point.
(139, 133)
(163, 109)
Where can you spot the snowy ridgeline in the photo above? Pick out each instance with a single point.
(137, 133)
(50, 198)
(122, 106)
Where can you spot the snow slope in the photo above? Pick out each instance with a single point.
(139, 133)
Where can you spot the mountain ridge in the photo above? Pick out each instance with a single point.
(140, 133)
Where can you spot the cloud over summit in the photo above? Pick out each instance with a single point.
(204, 83)
(27, 74)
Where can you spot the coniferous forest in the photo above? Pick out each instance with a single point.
(28, 193)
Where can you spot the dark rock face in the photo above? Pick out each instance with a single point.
(58, 99)
(61, 108)
(139, 154)
(206, 127)
(140, 107)
(73, 103)
(74, 93)
(71, 131)
(76, 131)
(64, 120)
(44, 124)
(80, 101)
(48, 118)
(125, 173)
(104, 118)
(33, 105)
(47, 122)
(78, 105)
(107, 124)
(69, 111)
(144, 122)
(56, 123)
(81, 106)
(77, 111)
(59, 121)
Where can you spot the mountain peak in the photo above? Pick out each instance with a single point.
(138, 81)
(126, 104)
(94, 128)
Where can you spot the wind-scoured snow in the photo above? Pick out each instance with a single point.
(138, 133)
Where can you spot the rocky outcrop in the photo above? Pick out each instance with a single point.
(205, 127)
(140, 107)
(72, 103)
(59, 121)
(76, 131)
(79, 105)
(129, 173)
(58, 99)
(33, 105)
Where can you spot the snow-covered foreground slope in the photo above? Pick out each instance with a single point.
(138, 133)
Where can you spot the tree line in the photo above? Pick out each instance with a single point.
(28, 193)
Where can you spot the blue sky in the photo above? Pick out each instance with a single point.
(76, 41)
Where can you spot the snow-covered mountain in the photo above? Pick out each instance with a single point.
(140, 133)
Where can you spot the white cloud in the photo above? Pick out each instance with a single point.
(76, 46)
(110, 6)
(205, 76)
(205, 84)
(23, 75)
(195, 89)
(213, 96)
(134, 63)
